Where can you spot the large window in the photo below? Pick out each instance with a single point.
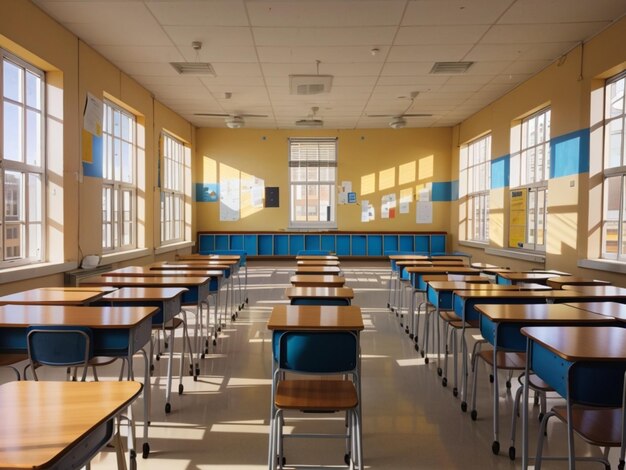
(119, 185)
(474, 183)
(614, 214)
(173, 190)
(22, 162)
(312, 178)
(530, 170)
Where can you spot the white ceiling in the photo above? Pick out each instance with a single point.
(254, 45)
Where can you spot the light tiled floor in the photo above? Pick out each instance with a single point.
(409, 420)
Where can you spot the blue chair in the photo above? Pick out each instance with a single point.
(63, 346)
(319, 353)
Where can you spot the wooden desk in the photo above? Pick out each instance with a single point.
(407, 257)
(55, 296)
(331, 270)
(317, 257)
(312, 280)
(482, 266)
(168, 301)
(501, 326)
(553, 351)
(316, 262)
(560, 281)
(117, 331)
(323, 293)
(617, 294)
(456, 277)
(143, 271)
(610, 309)
(48, 425)
(199, 257)
(516, 277)
(315, 317)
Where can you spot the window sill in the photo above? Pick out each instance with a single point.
(473, 244)
(32, 271)
(173, 247)
(603, 265)
(118, 257)
(533, 257)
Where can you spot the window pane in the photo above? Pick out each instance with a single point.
(13, 241)
(615, 136)
(33, 138)
(298, 174)
(531, 219)
(34, 198)
(612, 189)
(33, 90)
(12, 81)
(13, 190)
(127, 163)
(13, 132)
(35, 241)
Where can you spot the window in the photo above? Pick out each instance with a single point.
(118, 191)
(475, 182)
(22, 162)
(312, 179)
(530, 170)
(614, 213)
(173, 190)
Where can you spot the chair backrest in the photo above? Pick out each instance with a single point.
(59, 346)
(334, 352)
(319, 301)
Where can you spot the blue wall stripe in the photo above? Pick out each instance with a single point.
(454, 190)
(94, 169)
(569, 154)
(500, 172)
(207, 192)
(442, 191)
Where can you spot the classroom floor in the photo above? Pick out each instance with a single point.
(409, 420)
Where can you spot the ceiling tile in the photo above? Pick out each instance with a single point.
(199, 12)
(354, 36)
(141, 53)
(442, 12)
(434, 53)
(217, 36)
(438, 35)
(537, 33)
(562, 11)
(120, 33)
(325, 54)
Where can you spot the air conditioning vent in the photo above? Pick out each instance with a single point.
(310, 123)
(193, 68)
(310, 84)
(451, 67)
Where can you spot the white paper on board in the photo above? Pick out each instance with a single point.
(424, 212)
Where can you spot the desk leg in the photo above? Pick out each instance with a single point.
(525, 407)
(463, 367)
(623, 446)
(146, 403)
(495, 445)
(168, 391)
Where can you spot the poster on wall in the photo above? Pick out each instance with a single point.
(517, 216)
(365, 209)
(229, 200)
(388, 206)
(423, 212)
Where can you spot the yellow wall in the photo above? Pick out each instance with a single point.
(378, 162)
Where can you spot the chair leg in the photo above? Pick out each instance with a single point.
(542, 432)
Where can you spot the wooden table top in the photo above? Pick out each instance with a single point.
(486, 266)
(139, 294)
(548, 313)
(314, 317)
(407, 257)
(327, 292)
(146, 271)
(457, 277)
(196, 256)
(560, 281)
(611, 309)
(316, 257)
(216, 264)
(442, 270)
(317, 262)
(54, 296)
(515, 294)
(187, 266)
(146, 281)
(14, 316)
(619, 293)
(318, 270)
(576, 343)
(462, 285)
(42, 420)
(317, 280)
(521, 276)
(419, 263)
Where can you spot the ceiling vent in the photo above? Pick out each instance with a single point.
(309, 123)
(310, 84)
(193, 68)
(451, 67)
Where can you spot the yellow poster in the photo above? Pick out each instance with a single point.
(517, 218)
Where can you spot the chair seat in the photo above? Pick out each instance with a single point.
(506, 360)
(9, 359)
(316, 395)
(97, 361)
(597, 426)
(449, 316)
(171, 325)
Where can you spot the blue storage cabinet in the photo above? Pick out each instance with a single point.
(343, 245)
(206, 243)
(422, 244)
(281, 245)
(359, 245)
(328, 243)
(266, 245)
(296, 244)
(390, 243)
(437, 244)
(312, 242)
(222, 242)
(406, 243)
(250, 245)
(374, 245)
(236, 242)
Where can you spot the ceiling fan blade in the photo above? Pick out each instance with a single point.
(381, 115)
(211, 114)
(416, 115)
(253, 115)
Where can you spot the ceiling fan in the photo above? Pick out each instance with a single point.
(312, 120)
(397, 120)
(234, 121)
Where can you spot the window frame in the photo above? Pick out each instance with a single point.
(535, 187)
(313, 183)
(615, 171)
(172, 191)
(477, 193)
(118, 187)
(29, 209)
